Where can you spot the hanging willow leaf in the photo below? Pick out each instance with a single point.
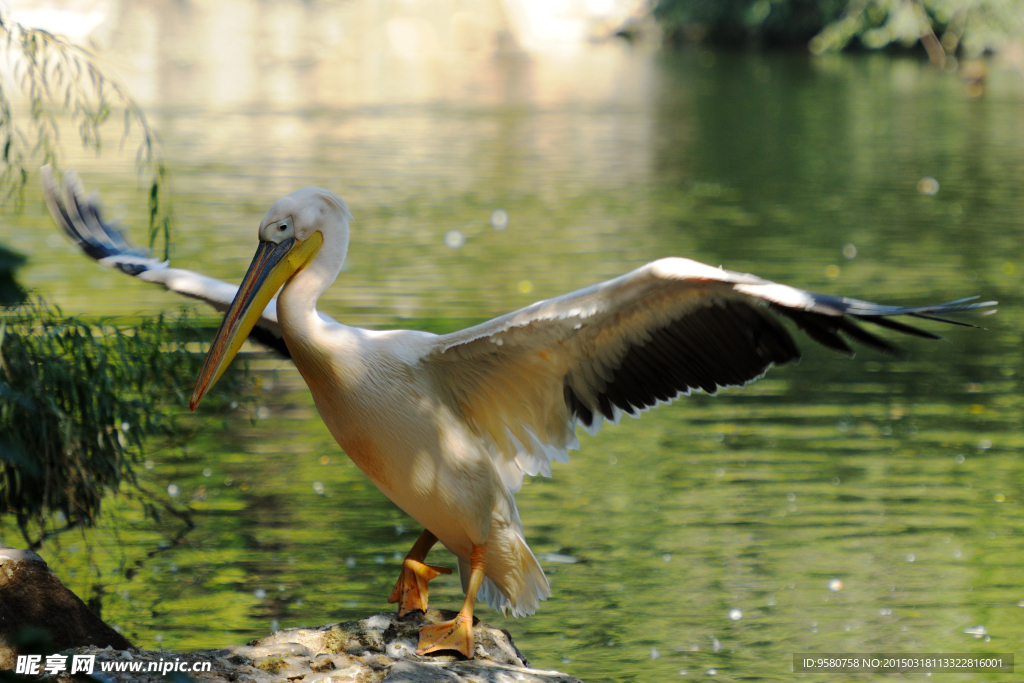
(60, 78)
(78, 401)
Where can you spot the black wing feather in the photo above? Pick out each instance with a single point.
(734, 341)
(727, 344)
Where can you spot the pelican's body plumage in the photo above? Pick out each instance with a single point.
(390, 416)
(447, 426)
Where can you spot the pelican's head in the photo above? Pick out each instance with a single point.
(304, 213)
(307, 230)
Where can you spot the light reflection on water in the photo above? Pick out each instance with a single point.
(846, 506)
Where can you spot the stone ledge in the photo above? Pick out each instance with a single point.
(378, 649)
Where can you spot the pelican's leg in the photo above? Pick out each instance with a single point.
(457, 634)
(411, 588)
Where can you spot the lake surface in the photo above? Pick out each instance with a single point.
(838, 505)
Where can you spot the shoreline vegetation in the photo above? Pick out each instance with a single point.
(938, 29)
(81, 403)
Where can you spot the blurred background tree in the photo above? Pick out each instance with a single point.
(966, 28)
(741, 22)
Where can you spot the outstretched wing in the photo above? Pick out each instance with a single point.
(524, 380)
(81, 220)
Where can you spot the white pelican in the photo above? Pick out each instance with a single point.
(447, 426)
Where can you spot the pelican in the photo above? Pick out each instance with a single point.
(448, 425)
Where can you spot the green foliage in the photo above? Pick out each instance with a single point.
(77, 400)
(943, 27)
(783, 22)
(60, 78)
(11, 292)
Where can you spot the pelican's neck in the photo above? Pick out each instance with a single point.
(296, 308)
(325, 353)
(296, 304)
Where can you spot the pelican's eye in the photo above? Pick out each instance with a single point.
(277, 230)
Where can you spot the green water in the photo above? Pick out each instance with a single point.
(901, 479)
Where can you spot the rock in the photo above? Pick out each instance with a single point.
(32, 597)
(378, 649)
(394, 637)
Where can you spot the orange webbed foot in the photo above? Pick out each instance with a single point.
(456, 634)
(411, 589)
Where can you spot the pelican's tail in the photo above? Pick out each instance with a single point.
(514, 583)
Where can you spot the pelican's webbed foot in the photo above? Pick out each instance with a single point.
(456, 634)
(411, 590)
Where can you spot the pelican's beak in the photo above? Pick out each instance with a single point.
(272, 266)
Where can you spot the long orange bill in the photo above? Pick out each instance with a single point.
(272, 266)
